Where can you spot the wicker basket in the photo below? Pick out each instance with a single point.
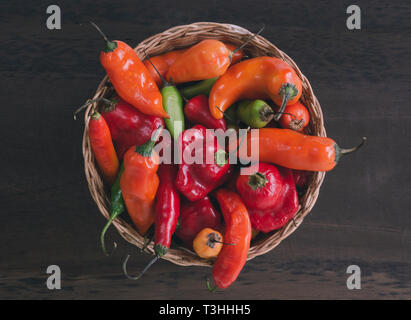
(184, 36)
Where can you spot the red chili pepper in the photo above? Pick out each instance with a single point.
(285, 209)
(103, 149)
(262, 189)
(198, 111)
(128, 126)
(196, 180)
(194, 217)
(233, 256)
(167, 209)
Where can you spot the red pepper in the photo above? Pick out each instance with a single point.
(284, 210)
(198, 111)
(301, 178)
(233, 256)
(167, 209)
(196, 180)
(262, 189)
(194, 217)
(128, 126)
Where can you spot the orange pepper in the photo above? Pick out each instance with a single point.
(256, 78)
(208, 59)
(103, 148)
(208, 243)
(139, 183)
(233, 255)
(130, 78)
(164, 61)
(294, 150)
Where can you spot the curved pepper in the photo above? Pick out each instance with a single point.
(139, 183)
(207, 59)
(257, 78)
(196, 180)
(233, 256)
(128, 126)
(163, 62)
(285, 208)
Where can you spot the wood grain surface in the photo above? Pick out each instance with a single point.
(362, 217)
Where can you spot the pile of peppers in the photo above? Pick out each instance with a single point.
(210, 208)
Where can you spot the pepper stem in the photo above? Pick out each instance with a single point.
(288, 91)
(257, 180)
(165, 82)
(103, 232)
(209, 286)
(146, 149)
(110, 45)
(89, 101)
(246, 42)
(339, 152)
(142, 272)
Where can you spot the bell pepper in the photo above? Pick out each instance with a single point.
(262, 189)
(128, 126)
(196, 180)
(285, 208)
(197, 111)
(194, 217)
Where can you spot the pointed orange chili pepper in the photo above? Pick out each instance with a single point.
(139, 183)
(256, 78)
(103, 148)
(130, 78)
(294, 150)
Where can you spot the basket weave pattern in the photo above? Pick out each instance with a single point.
(181, 37)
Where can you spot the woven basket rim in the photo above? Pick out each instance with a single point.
(184, 36)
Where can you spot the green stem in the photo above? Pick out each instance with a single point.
(146, 149)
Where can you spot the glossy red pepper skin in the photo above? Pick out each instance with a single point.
(128, 126)
(262, 189)
(167, 208)
(196, 180)
(232, 256)
(194, 217)
(285, 209)
(301, 178)
(197, 111)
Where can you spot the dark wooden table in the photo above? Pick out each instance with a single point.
(362, 216)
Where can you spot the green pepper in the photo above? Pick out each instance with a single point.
(255, 113)
(117, 206)
(173, 105)
(201, 87)
(231, 116)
